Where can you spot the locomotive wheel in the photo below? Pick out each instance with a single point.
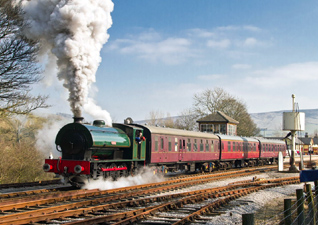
(114, 174)
(124, 173)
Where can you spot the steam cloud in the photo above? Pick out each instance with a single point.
(73, 31)
(144, 176)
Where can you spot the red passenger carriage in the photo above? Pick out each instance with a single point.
(270, 149)
(175, 149)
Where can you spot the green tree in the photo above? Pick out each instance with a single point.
(19, 69)
(211, 101)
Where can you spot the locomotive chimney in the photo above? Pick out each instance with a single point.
(78, 119)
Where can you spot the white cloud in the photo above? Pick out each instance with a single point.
(202, 33)
(240, 28)
(193, 45)
(250, 42)
(252, 28)
(152, 47)
(241, 66)
(292, 74)
(219, 44)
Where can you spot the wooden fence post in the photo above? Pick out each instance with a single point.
(248, 219)
(316, 197)
(287, 211)
(300, 206)
(311, 205)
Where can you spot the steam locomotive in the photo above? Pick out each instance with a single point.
(94, 151)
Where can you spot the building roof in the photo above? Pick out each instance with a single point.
(218, 117)
(315, 139)
(306, 140)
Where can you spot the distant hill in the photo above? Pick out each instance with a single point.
(271, 123)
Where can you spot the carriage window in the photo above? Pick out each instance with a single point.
(212, 146)
(180, 144)
(176, 144)
(156, 143)
(201, 146)
(195, 146)
(234, 147)
(207, 147)
(170, 147)
(161, 140)
(254, 147)
(229, 146)
(189, 145)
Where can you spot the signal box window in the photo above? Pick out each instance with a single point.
(209, 128)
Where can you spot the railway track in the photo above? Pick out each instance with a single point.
(30, 184)
(133, 204)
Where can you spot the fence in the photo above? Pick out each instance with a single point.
(302, 211)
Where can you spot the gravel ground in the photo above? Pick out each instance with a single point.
(267, 202)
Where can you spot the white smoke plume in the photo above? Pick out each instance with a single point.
(74, 31)
(144, 176)
(45, 138)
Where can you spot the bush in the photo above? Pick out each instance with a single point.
(20, 161)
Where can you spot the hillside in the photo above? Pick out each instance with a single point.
(271, 123)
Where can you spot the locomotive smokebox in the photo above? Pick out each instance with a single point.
(78, 119)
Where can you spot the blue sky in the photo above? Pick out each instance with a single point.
(160, 53)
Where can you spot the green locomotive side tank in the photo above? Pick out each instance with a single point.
(79, 141)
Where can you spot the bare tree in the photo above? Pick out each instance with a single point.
(211, 101)
(187, 120)
(155, 118)
(19, 69)
(158, 118)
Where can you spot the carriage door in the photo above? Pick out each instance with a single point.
(181, 144)
(162, 149)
